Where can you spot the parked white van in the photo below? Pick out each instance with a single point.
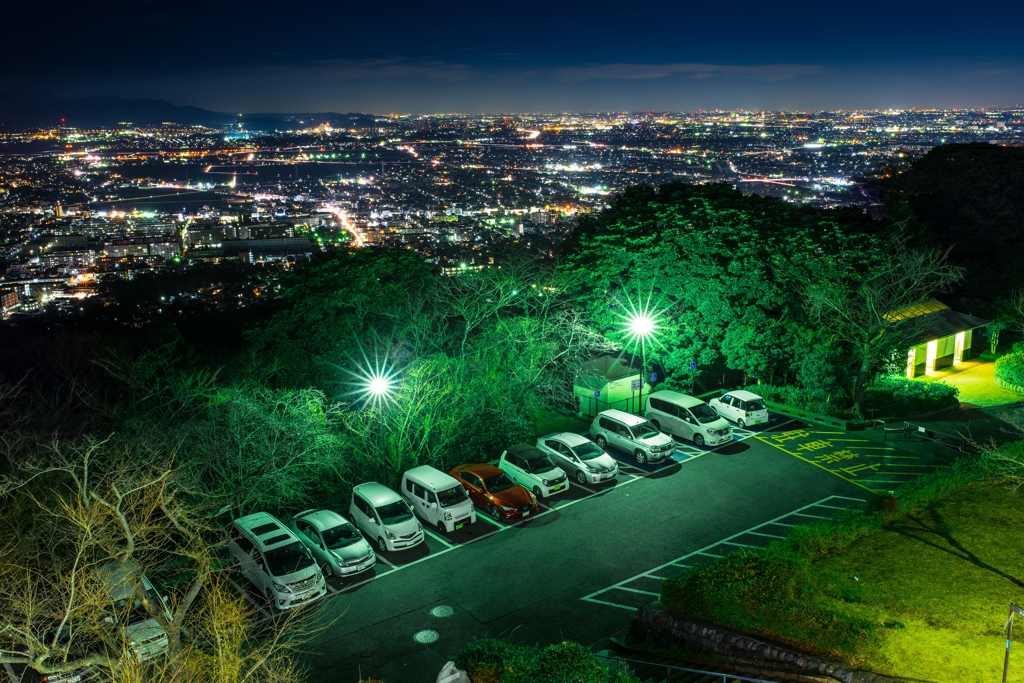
(437, 498)
(275, 561)
(688, 418)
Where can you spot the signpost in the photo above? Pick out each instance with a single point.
(654, 377)
(636, 385)
(1014, 609)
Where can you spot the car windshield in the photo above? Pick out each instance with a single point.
(703, 413)
(287, 559)
(542, 464)
(499, 482)
(587, 451)
(452, 496)
(755, 404)
(393, 513)
(644, 430)
(340, 536)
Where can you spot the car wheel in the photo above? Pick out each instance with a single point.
(580, 477)
(601, 442)
(441, 527)
(740, 423)
(495, 513)
(327, 570)
(698, 440)
(641, 457)
(657, 425)
(382, 544)
(537, 492)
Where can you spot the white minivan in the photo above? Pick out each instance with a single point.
(688, 418)
(742, 407)
(437, 498)
(275, 561)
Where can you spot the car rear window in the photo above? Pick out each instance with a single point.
(756, 404)
(265, 529)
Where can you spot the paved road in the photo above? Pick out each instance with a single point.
(527, 583)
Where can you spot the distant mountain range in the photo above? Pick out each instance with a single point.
(28, 110)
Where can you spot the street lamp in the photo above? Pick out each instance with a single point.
(641, 326)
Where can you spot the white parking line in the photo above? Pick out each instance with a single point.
(434, 536)
(384, 560)
(622, 585)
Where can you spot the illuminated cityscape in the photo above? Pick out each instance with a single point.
(81, 206)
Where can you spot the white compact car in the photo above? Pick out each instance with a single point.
(688, 418)
(334, 542)
(384, 517)
(579, 457)
(275, 561)
(534, 470)
(742, 407)
(632, 434)
(437, 498)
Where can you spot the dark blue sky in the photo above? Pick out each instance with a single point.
(500, 56)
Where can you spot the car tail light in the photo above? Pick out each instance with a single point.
(746, 414)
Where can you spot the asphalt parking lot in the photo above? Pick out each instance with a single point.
(581, 566)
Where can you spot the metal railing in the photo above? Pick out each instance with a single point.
(910, 431)
(671, 668)
(591, 406)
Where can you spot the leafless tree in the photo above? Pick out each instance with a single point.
(869, 312)
(74, 514)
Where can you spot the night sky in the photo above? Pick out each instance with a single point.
(253, 56)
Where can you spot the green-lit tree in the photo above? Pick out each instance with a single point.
(717, 265)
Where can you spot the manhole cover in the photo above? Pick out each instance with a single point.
(426, 637)
(442, 611)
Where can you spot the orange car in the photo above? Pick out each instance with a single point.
(498, 494)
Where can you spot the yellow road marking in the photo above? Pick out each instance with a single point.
(819, 465)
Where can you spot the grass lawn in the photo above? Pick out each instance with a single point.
(942, 581)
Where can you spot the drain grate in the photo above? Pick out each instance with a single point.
(426, 636)
(442, 611)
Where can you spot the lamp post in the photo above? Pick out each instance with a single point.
(641, 326)
(378, 389)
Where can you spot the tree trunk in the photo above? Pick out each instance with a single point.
(862, 380)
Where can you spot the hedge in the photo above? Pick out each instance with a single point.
(487, 660)
(885, 396)
(1010, 368)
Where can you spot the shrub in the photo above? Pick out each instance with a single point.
(1018, 347)
(896, 396)
(821, 401)
(1010, 368)
(885, 396)
(486, 660)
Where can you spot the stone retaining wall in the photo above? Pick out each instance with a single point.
(664, 628)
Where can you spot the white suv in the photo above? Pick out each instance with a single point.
(532, 468)
(688, 418)
(275, 561)
(631, 434)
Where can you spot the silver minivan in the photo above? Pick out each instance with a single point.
(384, 517)
(338, 548)
(688, 418)
(632, 434)
(275, 561)
(437, 498)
